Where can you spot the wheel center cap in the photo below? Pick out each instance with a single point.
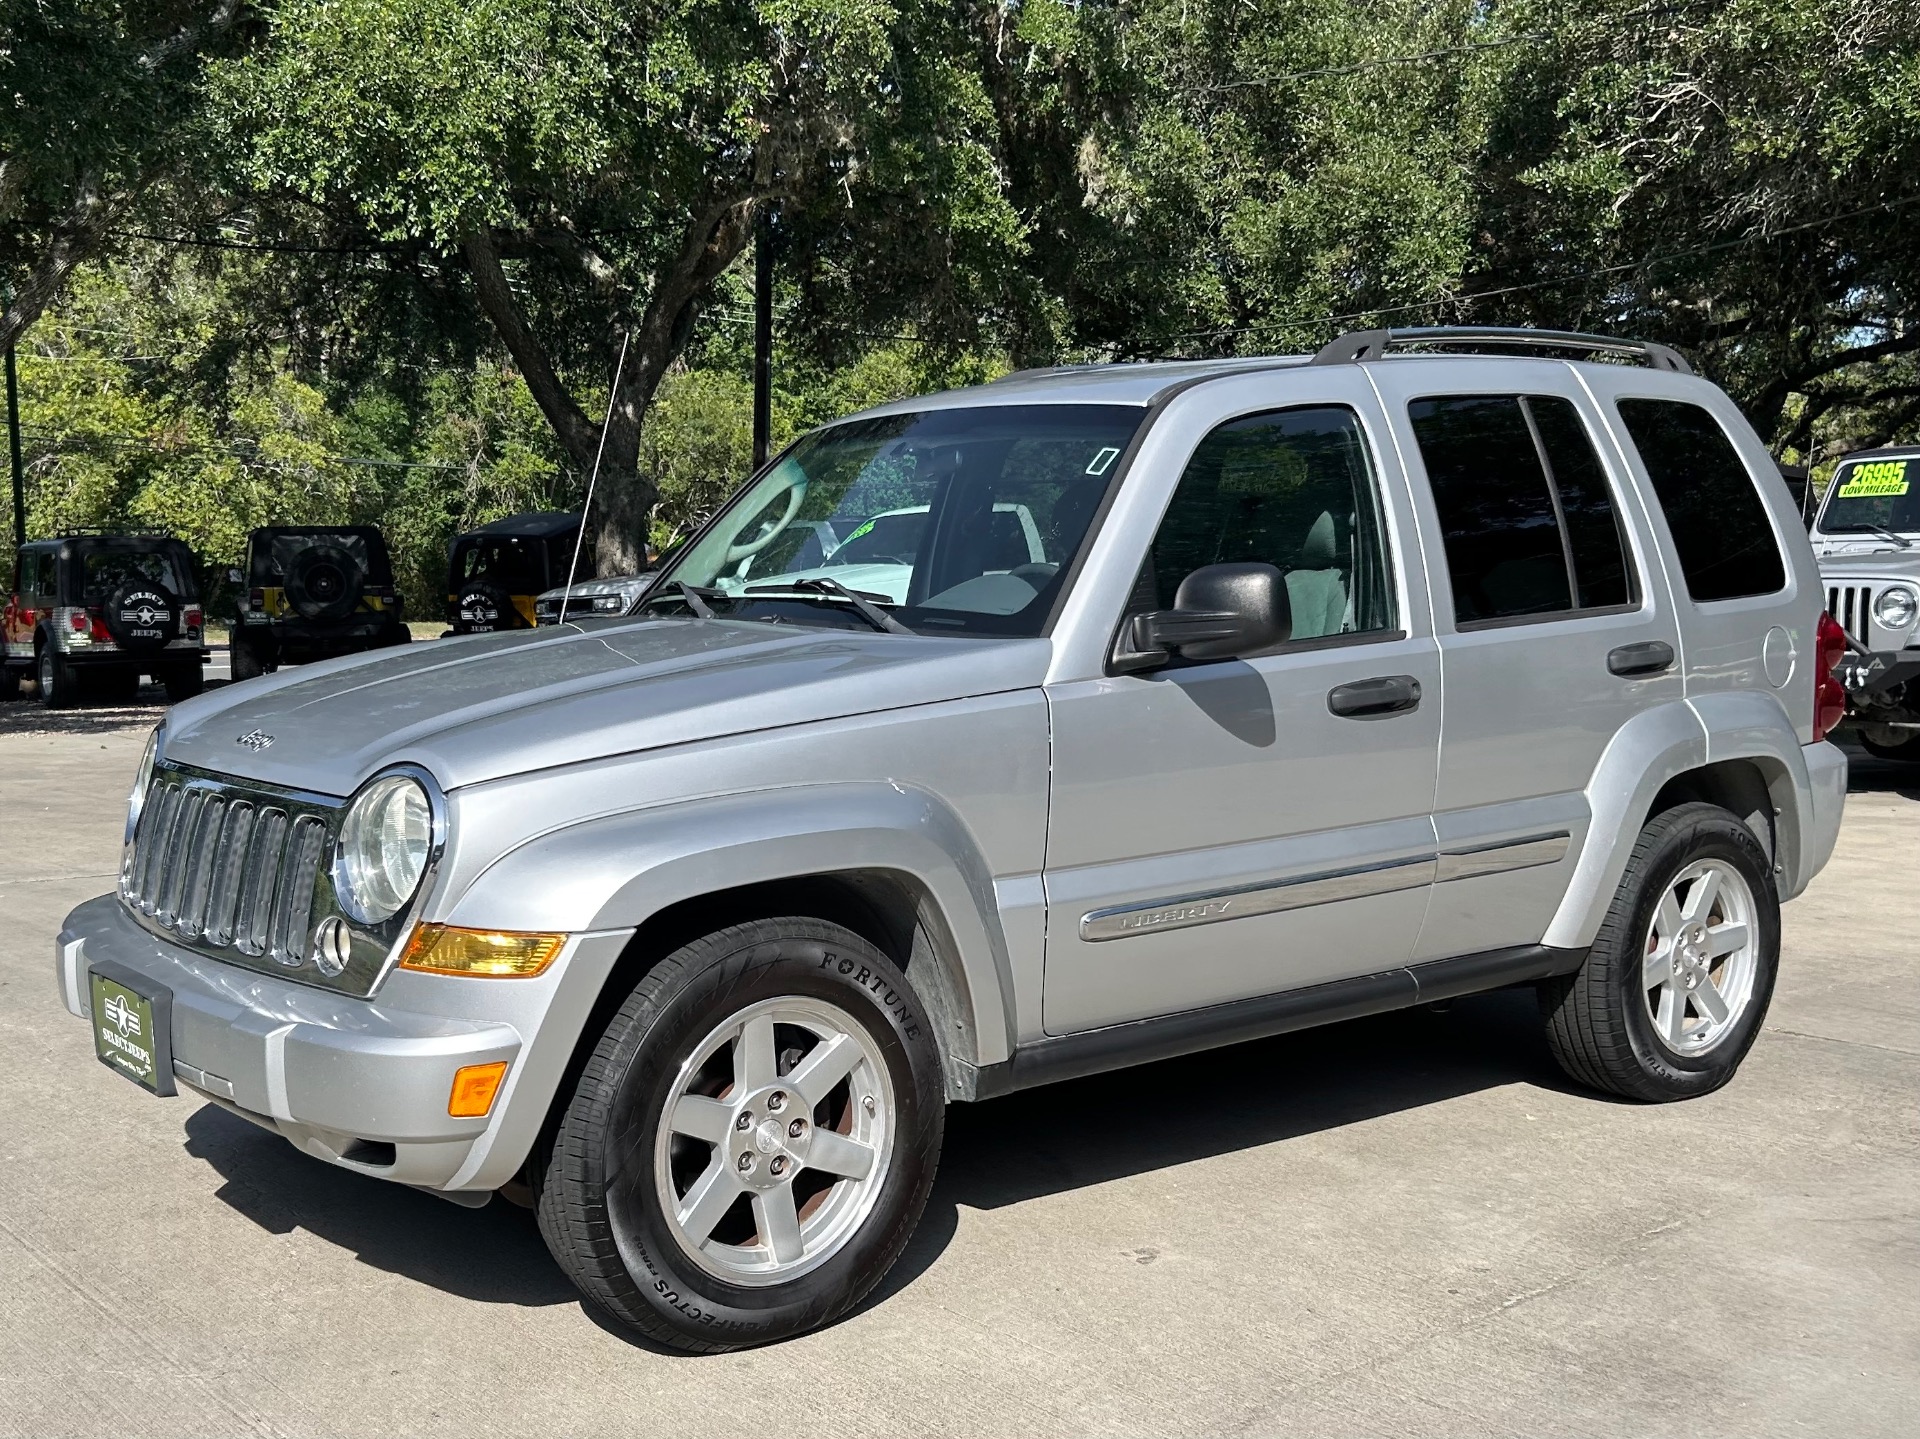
(767, 1136)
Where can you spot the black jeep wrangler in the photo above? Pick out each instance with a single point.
(89, 614)
(497, 573)
(310, 592)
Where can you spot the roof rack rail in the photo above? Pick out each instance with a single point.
(1360, 345)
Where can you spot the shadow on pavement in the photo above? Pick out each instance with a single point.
(1869, 775)
(1041, 1142)
(494, 1255)
(1132, 1121)
(25, 716)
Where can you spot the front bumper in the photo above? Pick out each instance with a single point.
(362, 1083)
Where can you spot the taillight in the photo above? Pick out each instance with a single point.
(78, 621)
(1829, 695)
(100, 630)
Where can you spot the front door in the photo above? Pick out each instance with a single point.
(1229, 829)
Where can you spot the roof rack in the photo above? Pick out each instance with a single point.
(1372, 344)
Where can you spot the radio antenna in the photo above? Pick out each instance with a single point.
(586, 510)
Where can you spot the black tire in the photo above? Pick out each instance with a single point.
(1598, 1021)
(244, 661)
(605, 1221)
(482, 607)
(143, 617)
(1907, 750)
(183, 682)
(325, 582)
(54, 678)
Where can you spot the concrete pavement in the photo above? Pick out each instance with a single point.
(1407, 1225)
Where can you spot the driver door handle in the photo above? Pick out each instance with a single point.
(1649, 657)
(1375, 698)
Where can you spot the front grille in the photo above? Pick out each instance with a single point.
(1852, 606)
(225, 868)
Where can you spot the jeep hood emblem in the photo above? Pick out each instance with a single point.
(258, 739)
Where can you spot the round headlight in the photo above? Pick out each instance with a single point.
(383, 848)
(142, 779)
(1896, 607)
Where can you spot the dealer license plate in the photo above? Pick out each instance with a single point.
(131, 1031)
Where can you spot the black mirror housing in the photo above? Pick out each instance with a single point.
(1218, 612)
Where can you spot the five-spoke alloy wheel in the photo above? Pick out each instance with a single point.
(751, 1142)
(1676, 984)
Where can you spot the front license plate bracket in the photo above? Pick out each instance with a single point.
(132, 1026)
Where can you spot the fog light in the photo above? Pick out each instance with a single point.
(332, 946)
(482, 953)
(474, 1088)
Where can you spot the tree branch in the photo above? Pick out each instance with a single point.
(576, 431)
(76, 236)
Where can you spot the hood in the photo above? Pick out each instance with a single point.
(487, 706)
(1888, 563)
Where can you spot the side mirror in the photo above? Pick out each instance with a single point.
(1218, 612)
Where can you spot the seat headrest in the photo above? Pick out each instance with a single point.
(1320, 550)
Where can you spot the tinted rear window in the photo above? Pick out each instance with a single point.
(1721, 532)
(107, 570)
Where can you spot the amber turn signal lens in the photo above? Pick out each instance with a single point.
(485, 953)
(474, 1088)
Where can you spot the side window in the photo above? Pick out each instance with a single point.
(1293, 489)
(1529, 524)
(1721, 532)
(46, 577)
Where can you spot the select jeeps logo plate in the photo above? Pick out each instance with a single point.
(146, 615)
(256, 739)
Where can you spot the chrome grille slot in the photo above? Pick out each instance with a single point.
(173, 878)
(262, 882)
(156, 838)
(295, 905)
(224, 900)
(205, 850)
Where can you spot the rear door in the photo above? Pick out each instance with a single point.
(1224, 830)
(1554, 620)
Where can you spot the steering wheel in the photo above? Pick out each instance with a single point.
(737, 553)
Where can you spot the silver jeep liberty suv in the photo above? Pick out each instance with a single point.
(991, 738)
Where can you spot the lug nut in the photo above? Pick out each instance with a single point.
(776, 1101)
(746, 1164)
(779, 1165)
(744, 1122)
(797, 1128)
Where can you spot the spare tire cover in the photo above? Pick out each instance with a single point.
(143, 616)
(324, 582)
(482, 607)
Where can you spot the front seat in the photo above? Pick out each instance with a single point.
(1315, 585)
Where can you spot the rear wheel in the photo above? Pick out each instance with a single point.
(244, 661)
(183, 682)
(1674, 989)
(55, 679)
(752, 1141)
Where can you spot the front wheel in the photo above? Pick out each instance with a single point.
(752, 1141)
(1674, 989)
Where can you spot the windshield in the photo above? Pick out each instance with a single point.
(1870, 494)
(107, 570)
(959, 521)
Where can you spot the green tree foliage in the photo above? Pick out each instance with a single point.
(596, 167)
(98, 101)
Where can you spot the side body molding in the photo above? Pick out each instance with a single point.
(1644, 753)
(617, 871)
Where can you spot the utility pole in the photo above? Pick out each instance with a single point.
(13, 444)
(762, 336)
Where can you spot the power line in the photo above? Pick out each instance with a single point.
(246, 454)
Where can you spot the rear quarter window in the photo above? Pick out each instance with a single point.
(1721, 532)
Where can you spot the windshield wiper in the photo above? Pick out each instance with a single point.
(694, 596)
(833, 589)
(1886, 534)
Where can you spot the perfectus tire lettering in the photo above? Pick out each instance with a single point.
(877, 986)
